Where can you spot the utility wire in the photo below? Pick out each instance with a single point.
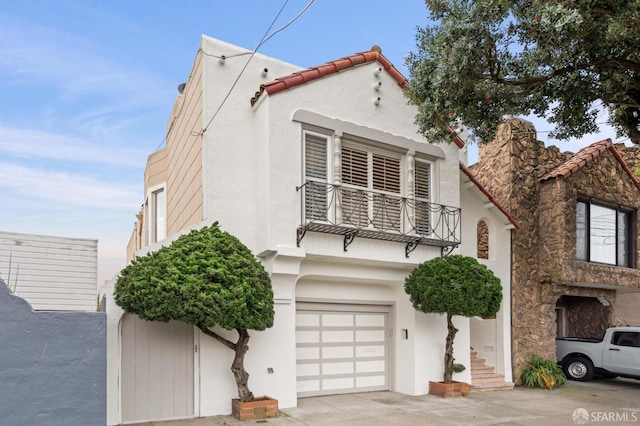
(264, 39)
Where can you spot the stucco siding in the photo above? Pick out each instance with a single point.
(52, 273)
(490, 337)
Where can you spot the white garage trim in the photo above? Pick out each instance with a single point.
(342, 348)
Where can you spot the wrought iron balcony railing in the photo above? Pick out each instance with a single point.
(353, 212)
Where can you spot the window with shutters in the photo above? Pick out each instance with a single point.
(372, 191)
(350, 184)
(316, 191)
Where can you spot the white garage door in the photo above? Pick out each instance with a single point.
(157, 370)
(341, 348)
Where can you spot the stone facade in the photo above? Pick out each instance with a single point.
(540, 187)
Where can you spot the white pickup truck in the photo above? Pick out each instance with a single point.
(616, 354)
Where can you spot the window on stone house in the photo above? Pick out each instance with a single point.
(603, 233)
(482, 240)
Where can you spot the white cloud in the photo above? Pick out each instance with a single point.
(67, 189)
(29, 143)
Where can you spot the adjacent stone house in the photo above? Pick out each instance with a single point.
(577, 248)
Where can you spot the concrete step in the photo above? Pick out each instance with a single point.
(478, 362)
(487, 378)
(488, 387)
(487, 369)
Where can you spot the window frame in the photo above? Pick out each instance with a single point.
(150, 216)
(629, 233)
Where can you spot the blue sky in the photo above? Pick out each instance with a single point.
(86, 89)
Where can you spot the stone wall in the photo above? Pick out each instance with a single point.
(543, 251)
(52, 365)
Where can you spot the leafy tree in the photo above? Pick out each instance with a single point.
(206, 278)
(566, 60)
(453, 285)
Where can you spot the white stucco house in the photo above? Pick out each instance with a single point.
(322, 174)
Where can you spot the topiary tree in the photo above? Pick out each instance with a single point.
(206, 278)
(453, 285)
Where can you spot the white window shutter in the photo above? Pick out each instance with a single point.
(355, 167)
(423, 180)
(315, 170)
(315, 157)
(422, 220)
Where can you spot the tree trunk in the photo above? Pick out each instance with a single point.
(237, 368)
(448, 352)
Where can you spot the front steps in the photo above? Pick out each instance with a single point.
(484, 377)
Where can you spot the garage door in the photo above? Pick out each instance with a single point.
(157, 370)
(341, 348)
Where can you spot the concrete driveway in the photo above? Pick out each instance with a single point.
(606, 401)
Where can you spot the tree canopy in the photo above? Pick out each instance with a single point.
(206, 277)
(456, 285)
(453, 285)
(567, 61)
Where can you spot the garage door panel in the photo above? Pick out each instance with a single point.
(370, 335)
(341, 349)
(370, 351)
(337, 336)
(303, 370)
(337, 352)
(329, 368)
(303, 353)
(370, 366)
(338, 384)
(370, 381)
(307, 336)
(337, 320)
(308, 386)
(371, 320)
(307, 320)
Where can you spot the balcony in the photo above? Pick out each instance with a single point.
(353, 212)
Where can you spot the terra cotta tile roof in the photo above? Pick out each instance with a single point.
(584, 157)
(314, 73)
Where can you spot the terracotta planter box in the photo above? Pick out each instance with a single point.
(449, 390)
(260, 408)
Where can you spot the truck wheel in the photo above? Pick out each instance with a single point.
(578, 368)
